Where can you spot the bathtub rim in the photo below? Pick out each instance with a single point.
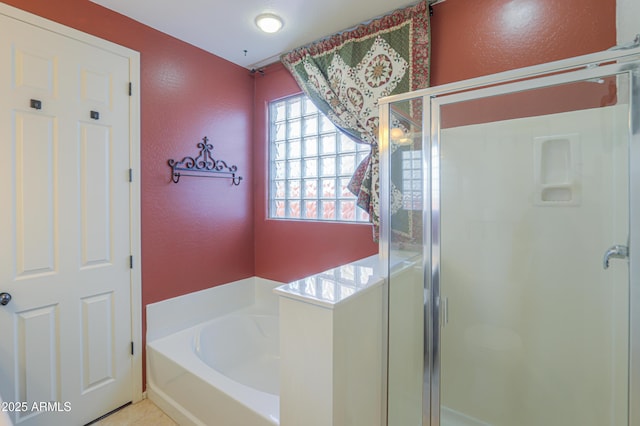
(178, 313)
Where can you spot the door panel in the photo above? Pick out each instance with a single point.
(96, 87)
(65, 194)
(98, 348)
(35, 187)
(37, 350)
(35, 70)
(95, 194)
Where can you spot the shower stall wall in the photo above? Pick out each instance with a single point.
(511, 198)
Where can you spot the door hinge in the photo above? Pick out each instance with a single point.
(130, 175)
(131, 262)
(130, 89)
(131, 348)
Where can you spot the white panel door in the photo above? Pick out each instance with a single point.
(66, 335)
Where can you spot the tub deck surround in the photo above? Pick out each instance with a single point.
(336, 285)
(332, 347)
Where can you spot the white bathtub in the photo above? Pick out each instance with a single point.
(223, 371)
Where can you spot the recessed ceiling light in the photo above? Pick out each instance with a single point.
(269, 22)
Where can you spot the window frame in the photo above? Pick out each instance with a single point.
(287, 164)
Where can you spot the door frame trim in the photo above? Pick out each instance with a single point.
(134, 163)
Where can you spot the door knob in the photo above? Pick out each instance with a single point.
(5, 298)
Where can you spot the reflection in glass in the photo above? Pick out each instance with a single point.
(407, 271)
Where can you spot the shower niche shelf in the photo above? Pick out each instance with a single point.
(556, 170)
(204, 165)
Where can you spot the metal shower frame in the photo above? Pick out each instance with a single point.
(592, 66)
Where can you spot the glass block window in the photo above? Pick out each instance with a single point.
(311, 164)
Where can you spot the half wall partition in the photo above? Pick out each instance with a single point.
(511, 201)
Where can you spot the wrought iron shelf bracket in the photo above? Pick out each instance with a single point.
(204, 165)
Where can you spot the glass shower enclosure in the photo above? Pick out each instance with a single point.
(509, 206)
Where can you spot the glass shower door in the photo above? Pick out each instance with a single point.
(530, 190)
(403, 233)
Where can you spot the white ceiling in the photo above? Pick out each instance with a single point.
(226, 27)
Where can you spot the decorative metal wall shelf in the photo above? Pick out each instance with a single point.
(204, 165)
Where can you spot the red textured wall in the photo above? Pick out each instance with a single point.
(474, 38)
(198, 233)
(288, 250)
(471, 39)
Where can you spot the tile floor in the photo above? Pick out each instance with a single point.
(143, 413)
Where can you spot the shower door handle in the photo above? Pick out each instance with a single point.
(618, 251)
(444, 308)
